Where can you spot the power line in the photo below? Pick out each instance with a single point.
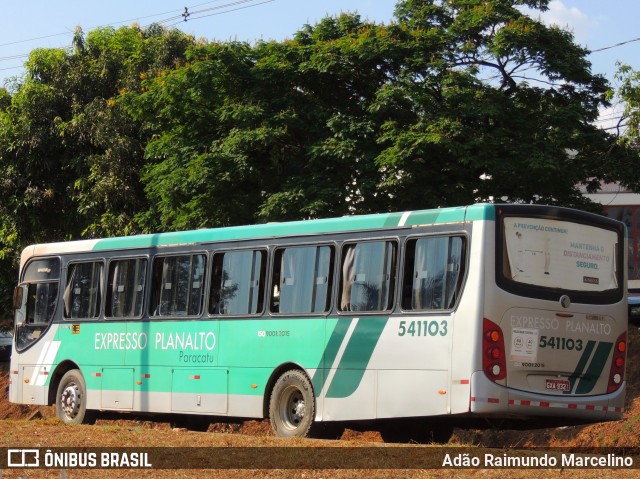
(12, 68)
(237, 2)
(112, 23)
(608, 120)
(610, 117)
(14, 57)
(187, 15)
(33, 39)
(616, 45)
(164, 21)
(617, 127)
(616, 109)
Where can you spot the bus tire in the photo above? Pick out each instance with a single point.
(292, 405)
(71, 399)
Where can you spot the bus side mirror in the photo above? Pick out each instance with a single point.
(17, 297)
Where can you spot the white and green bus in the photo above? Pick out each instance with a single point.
(491, 310)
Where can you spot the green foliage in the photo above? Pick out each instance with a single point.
(70, 153)
(452, 104)
(629, 92)
(629, 124)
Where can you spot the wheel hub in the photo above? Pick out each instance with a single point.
(299, 409)
(70, 400)
(294, 409)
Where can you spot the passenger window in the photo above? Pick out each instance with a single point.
(237, 282)
(432, 273)
(302, 278)
(125, 288)
(83, 292)
(368, 276)
(178, 285)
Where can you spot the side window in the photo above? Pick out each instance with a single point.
(125, 288)
(368, 276)
(237, 282)
(83, 291)
(302, 279)
(178, 285)
(432, 273)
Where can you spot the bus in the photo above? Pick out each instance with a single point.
(482, 310)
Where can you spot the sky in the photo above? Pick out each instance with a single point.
(596, 24)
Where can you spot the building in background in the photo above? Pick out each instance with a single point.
(623, 205)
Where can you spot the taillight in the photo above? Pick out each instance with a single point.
(494, 362)
(616, 375)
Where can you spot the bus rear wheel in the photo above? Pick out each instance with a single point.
(71, 399)
(292, 405)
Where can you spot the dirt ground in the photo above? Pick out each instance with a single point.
(25, 426)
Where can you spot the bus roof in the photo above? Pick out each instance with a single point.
(292, 228)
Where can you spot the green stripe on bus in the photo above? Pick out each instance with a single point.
(588, 381)
(329, 354)
(392, 220)
(356, 356)
(445, 215)
(293, 228)
(582, 363)
(480, 212)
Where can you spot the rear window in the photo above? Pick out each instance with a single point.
(560, 254)
(563, 256)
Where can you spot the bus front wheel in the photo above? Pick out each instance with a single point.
(292, 405)
(71, 399)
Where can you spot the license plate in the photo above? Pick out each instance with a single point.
(557, 385)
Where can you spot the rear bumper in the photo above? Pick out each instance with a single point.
(492, 399)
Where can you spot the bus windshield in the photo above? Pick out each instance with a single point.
(38, 300)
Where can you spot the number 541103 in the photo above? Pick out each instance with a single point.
(422, 328)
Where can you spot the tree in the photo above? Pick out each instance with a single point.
(455, 102)
(629, 123)
(496, 105)
(70, 153)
